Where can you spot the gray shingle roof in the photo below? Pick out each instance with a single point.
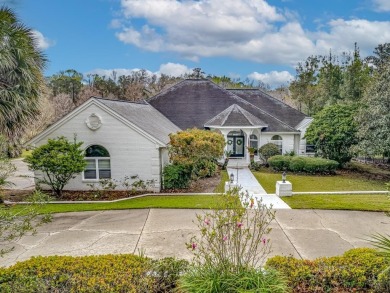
(191, 103)
(143, 116)
(235, 116)
(275, 107)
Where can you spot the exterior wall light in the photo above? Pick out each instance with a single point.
(231, 177)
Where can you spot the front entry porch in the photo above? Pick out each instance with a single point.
(235, 145)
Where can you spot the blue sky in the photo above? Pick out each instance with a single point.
(255, 39)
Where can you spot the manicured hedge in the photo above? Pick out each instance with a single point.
(177, 176)
(303, 164)
(105, 273)
(355, 271)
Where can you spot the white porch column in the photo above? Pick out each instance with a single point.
(297, 142)
(225, 133)
(247, 132)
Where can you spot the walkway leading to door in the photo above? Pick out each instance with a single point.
(247, 181)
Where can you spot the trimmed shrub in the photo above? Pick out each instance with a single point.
(297, 164)
(383, 283)
(303, 164)
(104, 273)
(268, 150)
(205, 168)
(356, 270)
(279, 162)
(177, 176)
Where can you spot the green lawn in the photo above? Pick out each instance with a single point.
(305, 183)
(357, 202)
(221, 186)
(168, 202)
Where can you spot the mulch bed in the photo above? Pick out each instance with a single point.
(205, 185)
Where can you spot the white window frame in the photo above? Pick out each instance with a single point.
(278, 143)
(96, 159)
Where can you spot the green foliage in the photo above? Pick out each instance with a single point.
(22, 81)
(190, 146)
(166, 274)
(231, 245)
(279, 162)
(303, 164)
(333, 132)
(105, 273)
(255, 166)
(134, 184)
(15, 223)
(6, 170)
(205, 168)
(213, 280)
(321, 81)
(383, 282)
(374, 117)
(59, 160)
(68, 82)
(268, 150)
(177, 176)
(194, 151)
(303, 87)
(233, 236)
(355, 271)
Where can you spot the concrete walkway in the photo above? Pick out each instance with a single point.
(23, 178)
(161, 233)
(248, 182)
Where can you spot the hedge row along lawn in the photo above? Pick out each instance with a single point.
(306, 183)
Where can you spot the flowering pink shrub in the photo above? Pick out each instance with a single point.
(233, 236)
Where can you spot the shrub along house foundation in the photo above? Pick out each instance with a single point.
(126, 139)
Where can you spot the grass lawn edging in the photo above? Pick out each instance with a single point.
(338, 192)
(118, 200)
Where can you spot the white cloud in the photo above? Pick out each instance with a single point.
(115, 23)
(42, 42)
(242, 29)
(381, 5)
(273, 78)
(344, 33)
(174, 69)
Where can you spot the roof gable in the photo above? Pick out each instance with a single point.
(235, 116)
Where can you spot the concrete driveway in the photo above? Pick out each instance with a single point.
(163, 232)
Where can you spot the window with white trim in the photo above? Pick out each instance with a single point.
(253, 142)
(98, 163)
(278, 141)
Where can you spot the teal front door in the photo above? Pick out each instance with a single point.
(235, 145)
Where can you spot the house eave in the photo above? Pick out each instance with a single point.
(236, 126)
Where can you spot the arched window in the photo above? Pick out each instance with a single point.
(253, 142)
(98, 163)
(277, 140)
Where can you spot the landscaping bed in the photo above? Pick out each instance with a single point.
(203, 185)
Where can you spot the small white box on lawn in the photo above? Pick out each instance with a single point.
(283, 188)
